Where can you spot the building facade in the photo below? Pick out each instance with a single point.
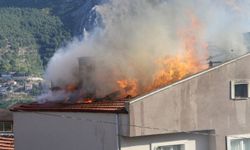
(207, 111)
(6, 130)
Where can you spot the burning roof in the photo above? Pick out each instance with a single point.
(103, 105)
(141, 46)
(132, 54)
(165, 70)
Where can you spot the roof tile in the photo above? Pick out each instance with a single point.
(117, 106)
(6, 143)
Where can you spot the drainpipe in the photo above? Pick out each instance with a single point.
(118, 144)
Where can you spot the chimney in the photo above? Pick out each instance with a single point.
(87, 76)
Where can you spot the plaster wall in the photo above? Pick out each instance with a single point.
(192, 142)
(199, 103)
(65, 131)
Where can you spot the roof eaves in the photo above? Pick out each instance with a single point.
(186, 79)
(63, 107)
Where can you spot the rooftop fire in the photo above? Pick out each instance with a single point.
(169, 69)
(139, 47)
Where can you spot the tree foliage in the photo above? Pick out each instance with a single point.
(28, 38)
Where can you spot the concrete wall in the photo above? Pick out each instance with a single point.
(199, 103)
(191, 141)
(65, 131)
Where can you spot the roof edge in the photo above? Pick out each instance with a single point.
(187, 79)
(53, 107)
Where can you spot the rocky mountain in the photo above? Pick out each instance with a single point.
(80, 15)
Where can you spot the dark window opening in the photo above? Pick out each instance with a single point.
(1, 127)
(241, 90)
(6, 126)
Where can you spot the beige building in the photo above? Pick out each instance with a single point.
(207, 111)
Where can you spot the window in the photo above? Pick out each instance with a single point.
(174, 145)
(6, 126)
(171, 147)
(238, 142)
(240, 89)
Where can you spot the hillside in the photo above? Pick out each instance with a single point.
(75, 14)
(28, 38)
(31, 31)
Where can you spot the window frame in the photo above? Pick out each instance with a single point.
(236, 82)
(186, 143)
(4, 127)
(235, 137)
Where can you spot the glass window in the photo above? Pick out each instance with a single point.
(171, 147)
(174, 145)
(241, 90)
(240, 144)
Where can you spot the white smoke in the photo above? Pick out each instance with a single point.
(138, 32)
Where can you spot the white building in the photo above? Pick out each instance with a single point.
(207, 111)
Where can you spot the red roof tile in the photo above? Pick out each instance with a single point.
(117, 106)
(6, 143)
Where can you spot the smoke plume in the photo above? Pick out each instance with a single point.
(134, 34)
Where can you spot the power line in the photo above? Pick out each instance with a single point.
(137, 126)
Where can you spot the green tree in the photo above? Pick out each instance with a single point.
(29, 37)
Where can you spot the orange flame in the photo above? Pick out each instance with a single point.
(128, 88)
(173, 68)
(169, 69)
(71, 88)
(85, 100)
(177, 67)
(88, 101)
